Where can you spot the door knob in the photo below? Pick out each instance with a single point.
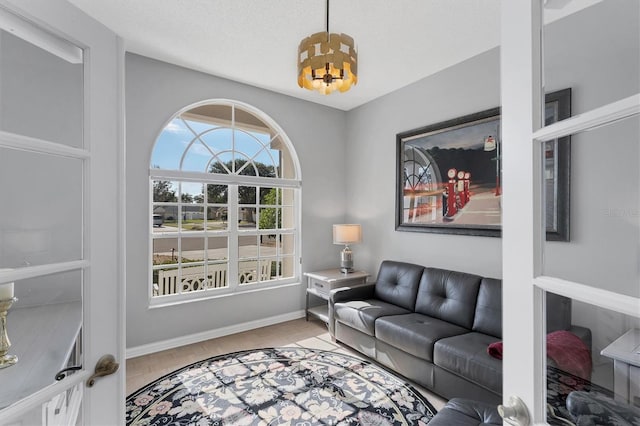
(105, 366)
(515, 412)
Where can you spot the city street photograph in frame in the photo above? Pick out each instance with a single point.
(448, 175)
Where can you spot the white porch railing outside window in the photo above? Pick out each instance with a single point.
(193, 278)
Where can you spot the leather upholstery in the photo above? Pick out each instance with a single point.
(397, 283)
(434, 326)
(414, 333)
(593, 408)
(448, 295)
(466, 355)
(420, 371)
(464, 412)
(488, 318)
(362, 292)
(359, 341)
(558, 312)
(362, 314)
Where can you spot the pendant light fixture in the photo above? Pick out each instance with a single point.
(327, 61)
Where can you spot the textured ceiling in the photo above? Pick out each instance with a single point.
(256, 41)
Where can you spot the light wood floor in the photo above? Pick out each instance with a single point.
(301, 333)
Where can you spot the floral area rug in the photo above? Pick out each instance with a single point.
(279, 386)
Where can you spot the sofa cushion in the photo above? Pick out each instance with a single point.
(397, 283)
(362, 314)
(448, 295)
(414, 333)
(466, 355)
(488, 318)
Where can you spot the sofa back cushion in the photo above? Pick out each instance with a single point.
(558, 312)
(488, 318)
(398, 282)
(448, 295)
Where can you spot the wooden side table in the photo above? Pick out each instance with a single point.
(625, 352)
(321, 284)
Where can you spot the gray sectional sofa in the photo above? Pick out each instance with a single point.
(433, 326)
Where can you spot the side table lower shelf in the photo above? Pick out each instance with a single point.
(322, 284)
(321, 312)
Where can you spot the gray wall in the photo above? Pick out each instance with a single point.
(471, 86)
(155, 91)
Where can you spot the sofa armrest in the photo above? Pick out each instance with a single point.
(345, 294)
(360, 292)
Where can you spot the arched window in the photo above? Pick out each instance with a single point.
(225, 186)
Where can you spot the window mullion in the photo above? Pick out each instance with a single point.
(232, 223)
(233, 139)
(222, 179)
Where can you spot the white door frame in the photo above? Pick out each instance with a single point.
(104, 254)
(523, 234)
(520, 104)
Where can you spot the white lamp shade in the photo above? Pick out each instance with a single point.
(347, 234)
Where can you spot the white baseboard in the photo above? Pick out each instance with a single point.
(210, 334)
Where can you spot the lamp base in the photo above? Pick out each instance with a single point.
(8, 361)
(346, 260)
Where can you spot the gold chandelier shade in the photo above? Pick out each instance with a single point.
(327, 62)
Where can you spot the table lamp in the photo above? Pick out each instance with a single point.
(346, 234)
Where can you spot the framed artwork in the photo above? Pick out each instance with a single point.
(448, 175)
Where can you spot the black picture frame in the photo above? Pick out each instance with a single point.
(471, 146)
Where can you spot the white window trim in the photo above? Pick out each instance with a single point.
(233, 180)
